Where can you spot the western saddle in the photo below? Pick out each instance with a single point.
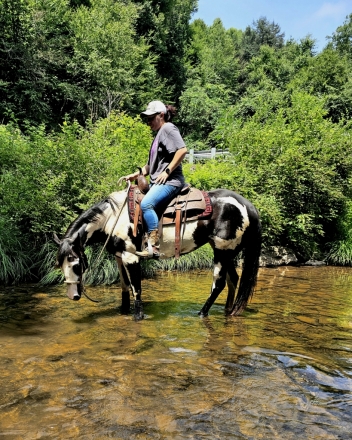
(190, 204)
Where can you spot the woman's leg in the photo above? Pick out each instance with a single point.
(157, 199)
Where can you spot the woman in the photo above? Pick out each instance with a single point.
(164, 168)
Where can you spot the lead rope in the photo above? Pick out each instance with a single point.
(106, 242)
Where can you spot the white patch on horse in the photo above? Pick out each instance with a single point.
(70, 277)
(223, 244)
(123, 224)
(216, 274)
(167, 242)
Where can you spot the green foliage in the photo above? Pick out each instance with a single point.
(84, 61)
(47, 180)
(211, 55)
(212, 174)
(341, 39)
(201, 108)
(297, 159)
(213, 71)
(281, 110)
(165, 24)
(63, 173)
(109, 62)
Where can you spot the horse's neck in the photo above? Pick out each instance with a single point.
(106, 222)
(98, 221)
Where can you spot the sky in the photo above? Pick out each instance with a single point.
(296, 18)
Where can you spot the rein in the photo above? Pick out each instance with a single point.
(106, 242)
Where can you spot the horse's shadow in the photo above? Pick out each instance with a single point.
(22, 311)
(159, 311)
(152, 310)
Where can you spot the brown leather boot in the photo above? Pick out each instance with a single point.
(152, 249)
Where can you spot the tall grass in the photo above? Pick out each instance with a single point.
(341, 250)
(105, 271)
(202, 258)
(102, 271)
(15, 260)
(46, 258)
(341, 253)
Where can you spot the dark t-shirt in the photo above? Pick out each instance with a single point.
(168, 140)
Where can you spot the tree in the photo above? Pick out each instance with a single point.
(83, 61)
(341, 39)
(165, 25)
(261, 33)
(328, 74)
(212, 56)
(110, 63)
(212, 71)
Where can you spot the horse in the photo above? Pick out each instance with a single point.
(233, 227)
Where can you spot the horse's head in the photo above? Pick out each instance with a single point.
(72, 260)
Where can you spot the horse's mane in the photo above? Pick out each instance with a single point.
(89, 216)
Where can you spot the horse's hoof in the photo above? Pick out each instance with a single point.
(202, 314)
(139, 317)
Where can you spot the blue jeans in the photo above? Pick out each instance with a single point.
(155, 202)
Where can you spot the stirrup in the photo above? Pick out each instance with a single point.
(149, 252)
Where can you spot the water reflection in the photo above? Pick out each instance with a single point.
(82, 370)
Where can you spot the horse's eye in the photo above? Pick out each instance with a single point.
(70, 259)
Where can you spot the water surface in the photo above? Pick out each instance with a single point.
(78, 370)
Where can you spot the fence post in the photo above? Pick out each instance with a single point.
(191, 155)
(213, 153)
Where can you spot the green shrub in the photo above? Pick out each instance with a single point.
(48, 179)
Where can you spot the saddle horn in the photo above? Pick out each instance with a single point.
(142, 182)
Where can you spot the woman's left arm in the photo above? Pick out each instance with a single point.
(177, 159)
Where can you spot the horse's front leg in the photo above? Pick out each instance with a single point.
(219, 282)
(125, 285)
(133, 271)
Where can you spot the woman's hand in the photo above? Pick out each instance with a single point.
(130, 177)
(162, 178)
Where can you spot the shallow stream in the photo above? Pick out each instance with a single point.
(78, 370)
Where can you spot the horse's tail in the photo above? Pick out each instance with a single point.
(250, 266)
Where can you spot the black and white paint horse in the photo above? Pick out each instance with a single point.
(234, 226)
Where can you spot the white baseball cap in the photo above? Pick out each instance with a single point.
(153, 108)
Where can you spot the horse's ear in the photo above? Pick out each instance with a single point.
(56, 239)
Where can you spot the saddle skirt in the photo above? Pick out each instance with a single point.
(190, 204)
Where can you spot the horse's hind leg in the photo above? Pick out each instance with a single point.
(219, 281)
(232, 281)
(125, 286)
